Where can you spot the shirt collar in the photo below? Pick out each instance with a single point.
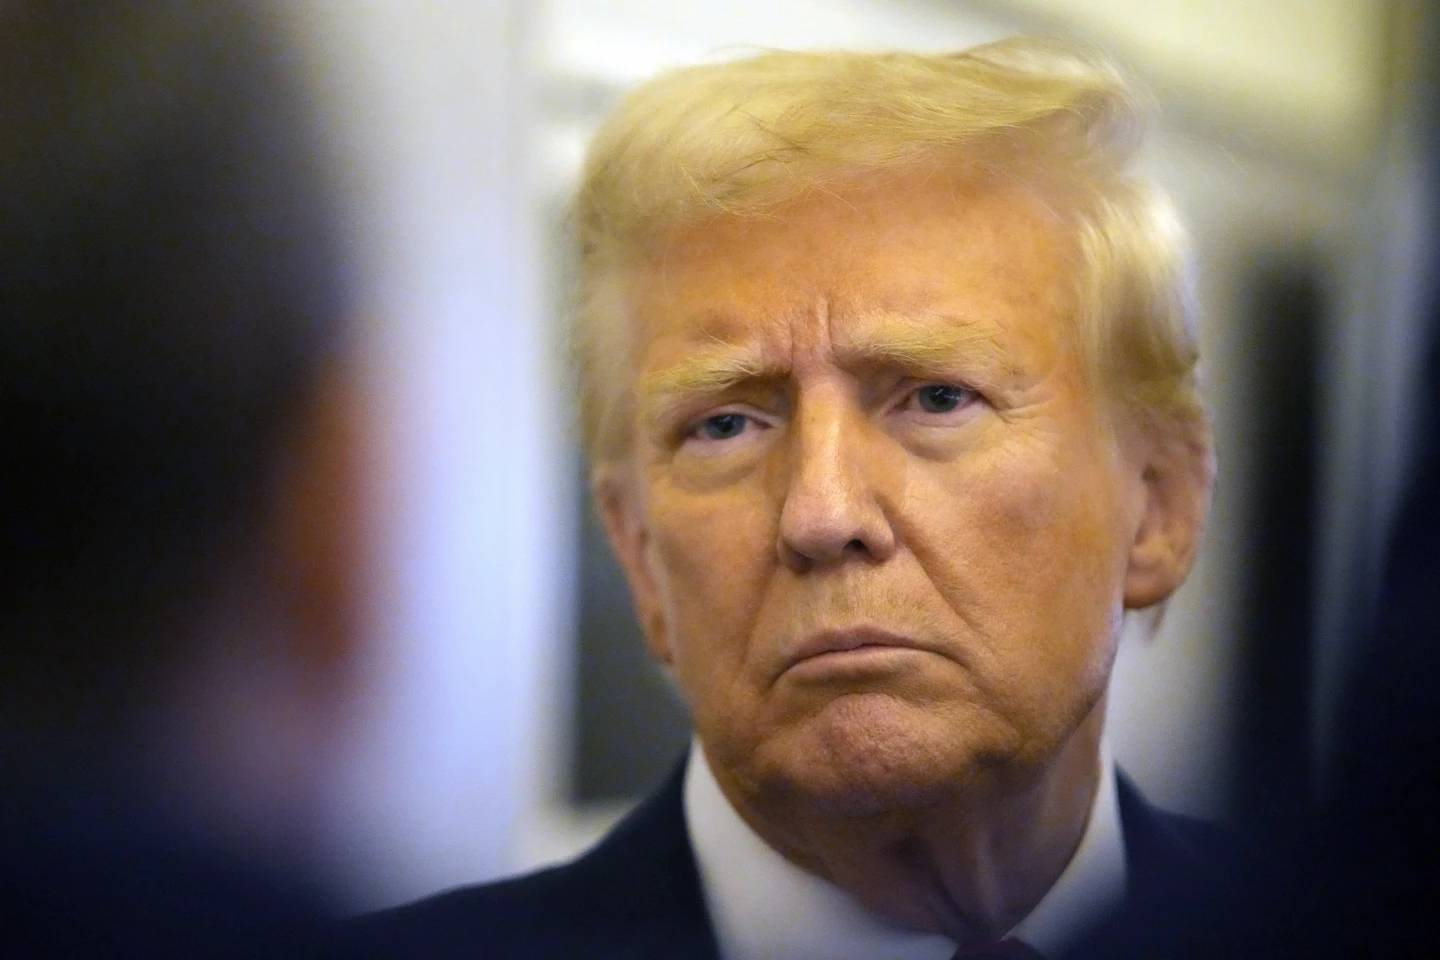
(762, 905)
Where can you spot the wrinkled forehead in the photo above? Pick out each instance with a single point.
(922, 265)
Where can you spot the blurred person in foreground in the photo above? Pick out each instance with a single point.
(888, 378)
(181, 517)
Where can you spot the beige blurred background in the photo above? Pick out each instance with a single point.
(510, 715)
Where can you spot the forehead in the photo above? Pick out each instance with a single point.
(993, 262)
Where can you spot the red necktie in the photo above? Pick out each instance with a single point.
(1007, 949)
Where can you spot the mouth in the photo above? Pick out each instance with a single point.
(851, 651)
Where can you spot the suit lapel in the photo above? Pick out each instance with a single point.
(651, 883)
(1173, 861)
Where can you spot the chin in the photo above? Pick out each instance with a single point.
(865, 754)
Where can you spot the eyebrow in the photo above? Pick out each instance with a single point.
(707, 371)
(922, 343)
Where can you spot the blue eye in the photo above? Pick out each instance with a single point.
(723, 426)
(941, 397)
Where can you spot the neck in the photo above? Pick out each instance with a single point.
(970, 867)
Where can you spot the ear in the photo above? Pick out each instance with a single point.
(617, 499)
(1177, 479)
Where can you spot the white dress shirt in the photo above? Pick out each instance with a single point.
(766, 908)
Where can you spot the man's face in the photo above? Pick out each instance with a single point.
(877, 519)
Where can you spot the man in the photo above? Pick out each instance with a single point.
(889, 388)
(182, 518)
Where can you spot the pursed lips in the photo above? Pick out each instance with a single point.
(825, 642)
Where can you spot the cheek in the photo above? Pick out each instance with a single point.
(1059, 495)
(712, 555)
(1029, 543)
(1030, 567)
(1059, 512)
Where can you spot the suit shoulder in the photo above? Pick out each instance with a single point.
(1176, 861)
(1157, 837)
(1200, 840)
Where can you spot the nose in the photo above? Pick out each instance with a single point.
(832, 509)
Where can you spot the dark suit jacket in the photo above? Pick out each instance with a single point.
(637, 894)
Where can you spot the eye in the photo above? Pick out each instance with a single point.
(723, 432)
(722, 426)
(943, 397)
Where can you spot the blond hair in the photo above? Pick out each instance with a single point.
(739, 138)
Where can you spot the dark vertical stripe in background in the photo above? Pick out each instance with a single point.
(1284, 306)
